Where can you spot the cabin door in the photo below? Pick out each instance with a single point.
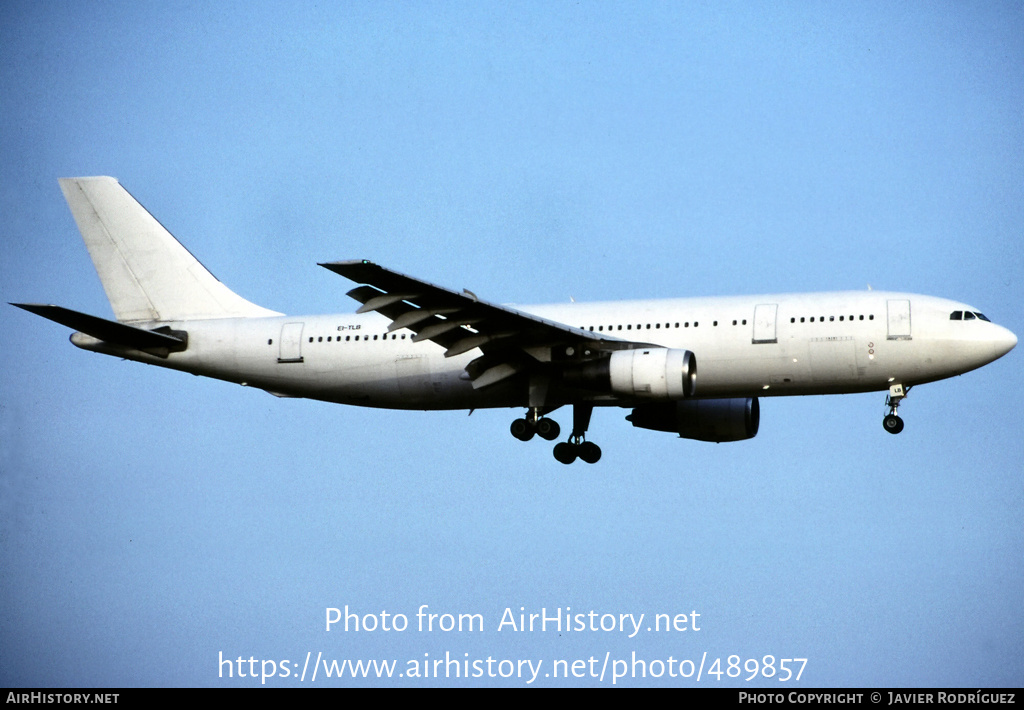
(291, 343)
(899, 319)
(764, 323)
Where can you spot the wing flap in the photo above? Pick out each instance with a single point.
(496, 374)
(415, 315)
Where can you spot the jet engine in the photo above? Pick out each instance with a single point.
(647, 373)
(715, 420)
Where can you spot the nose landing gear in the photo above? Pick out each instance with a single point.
(892, 422)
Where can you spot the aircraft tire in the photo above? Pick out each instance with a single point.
(522, 430)
(548, 429)
(565, 452)
(590, 452)
(892, 424)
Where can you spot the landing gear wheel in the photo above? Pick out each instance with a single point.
(576, 447)
(893, 424)
(548, 429)
(565, 452)
(522, 430)
(589, 452)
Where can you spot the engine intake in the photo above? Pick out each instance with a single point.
(715, 420)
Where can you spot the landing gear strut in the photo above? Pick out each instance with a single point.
(577, 446)
(892, 422)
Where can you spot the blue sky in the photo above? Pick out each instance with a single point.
(532, 152)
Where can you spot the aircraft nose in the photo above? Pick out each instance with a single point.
(1004, 340)
(987, 344)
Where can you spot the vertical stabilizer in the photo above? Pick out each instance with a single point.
(147, 274)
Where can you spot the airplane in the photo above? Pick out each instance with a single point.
(414, 345)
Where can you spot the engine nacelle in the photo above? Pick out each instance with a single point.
(656, 373)
(715, 420)
(642, 373)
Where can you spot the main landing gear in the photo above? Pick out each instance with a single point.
(534, 423)
(586, 451)
(892, 422)
(567, 451)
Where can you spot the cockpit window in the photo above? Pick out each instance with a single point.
(968, 315)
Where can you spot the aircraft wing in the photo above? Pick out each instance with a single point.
(511, 341)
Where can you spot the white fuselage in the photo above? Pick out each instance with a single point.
(791, 344)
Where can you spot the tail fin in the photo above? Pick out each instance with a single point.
(147, 274)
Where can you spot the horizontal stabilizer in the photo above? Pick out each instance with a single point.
(110, 331)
